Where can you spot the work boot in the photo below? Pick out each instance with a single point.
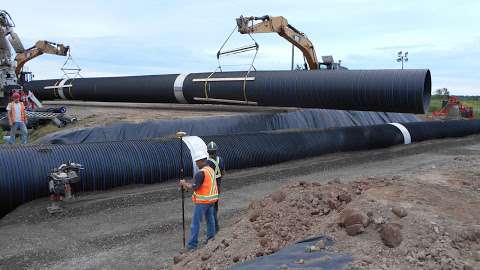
(54, 208)
(187, 249)
(209, 239)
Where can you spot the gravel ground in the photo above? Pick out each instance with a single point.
(139, 227)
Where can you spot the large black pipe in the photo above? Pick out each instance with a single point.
(25, 168)
(365, 90)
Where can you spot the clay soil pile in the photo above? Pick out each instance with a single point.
(384, 223)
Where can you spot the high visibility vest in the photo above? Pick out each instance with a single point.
(11, 112)
(208, 191)
(216, 161)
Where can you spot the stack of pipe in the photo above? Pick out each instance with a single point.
(111, 164)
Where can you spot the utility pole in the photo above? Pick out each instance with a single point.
(402, 57)
(293, 55)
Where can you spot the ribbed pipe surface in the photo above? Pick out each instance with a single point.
(364, 90)
(112, 164)
(107, 165)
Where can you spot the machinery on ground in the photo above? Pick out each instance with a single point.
(280, 25)
(12, 76)
(453, 108)
(60, 182)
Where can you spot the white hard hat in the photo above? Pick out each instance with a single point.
(199, 156)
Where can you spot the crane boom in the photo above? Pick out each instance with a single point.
(40, 47)
(280, 25)
(11, 75)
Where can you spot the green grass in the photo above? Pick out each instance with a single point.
(436, 104)
(41, 131)
(33, 134)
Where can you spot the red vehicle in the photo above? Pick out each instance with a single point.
(454, 108)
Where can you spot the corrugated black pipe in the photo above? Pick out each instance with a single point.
(25, 168)
(364, 90)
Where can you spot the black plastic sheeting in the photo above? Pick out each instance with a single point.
(221, 125)
(112, 164)
(292, 254)
(365, 90)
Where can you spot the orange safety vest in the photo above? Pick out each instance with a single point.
(208, 191)
(11, 112)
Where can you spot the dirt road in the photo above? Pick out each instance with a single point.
(139, 227)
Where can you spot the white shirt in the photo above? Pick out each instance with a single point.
(18, 114)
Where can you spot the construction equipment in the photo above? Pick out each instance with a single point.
(60, 184)
(8, 79)
(40, 47)
(452, 108)
(12, 76)
(269, 24)
(280, 25)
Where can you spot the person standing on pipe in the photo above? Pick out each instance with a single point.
(216, 162)
(17, 119)
(205, 195)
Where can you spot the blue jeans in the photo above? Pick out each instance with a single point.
(199, 211)
(23, 132)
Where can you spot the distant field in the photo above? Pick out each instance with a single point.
(436, 104)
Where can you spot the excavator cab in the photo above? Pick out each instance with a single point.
(329, 64)
(25, 76)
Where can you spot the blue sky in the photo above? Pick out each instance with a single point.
(114, 38)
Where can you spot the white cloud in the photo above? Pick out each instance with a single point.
(146, 37)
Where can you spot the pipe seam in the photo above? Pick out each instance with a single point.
(60, 92)
(407, 139)
(178, 88)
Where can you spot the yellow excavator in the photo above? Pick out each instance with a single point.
(280, 25)
(40, 47)
(11, 75)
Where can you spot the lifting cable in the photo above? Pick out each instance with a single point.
(70, 72)
(243, 49)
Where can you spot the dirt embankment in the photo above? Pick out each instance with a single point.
(431, 222)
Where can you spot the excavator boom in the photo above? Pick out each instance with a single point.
(40, 47)
(280, 25)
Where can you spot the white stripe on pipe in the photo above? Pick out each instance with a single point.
(196, 145)
(178, 88)
(60, 88)
(407, 139)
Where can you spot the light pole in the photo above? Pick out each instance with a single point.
(402, 57)
(293, 55)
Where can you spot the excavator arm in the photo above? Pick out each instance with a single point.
(278, 24)
(41, 47)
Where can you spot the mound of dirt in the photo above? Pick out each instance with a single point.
(383, 223)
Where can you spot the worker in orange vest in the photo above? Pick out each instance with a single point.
(205, 194)
(17, 119)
